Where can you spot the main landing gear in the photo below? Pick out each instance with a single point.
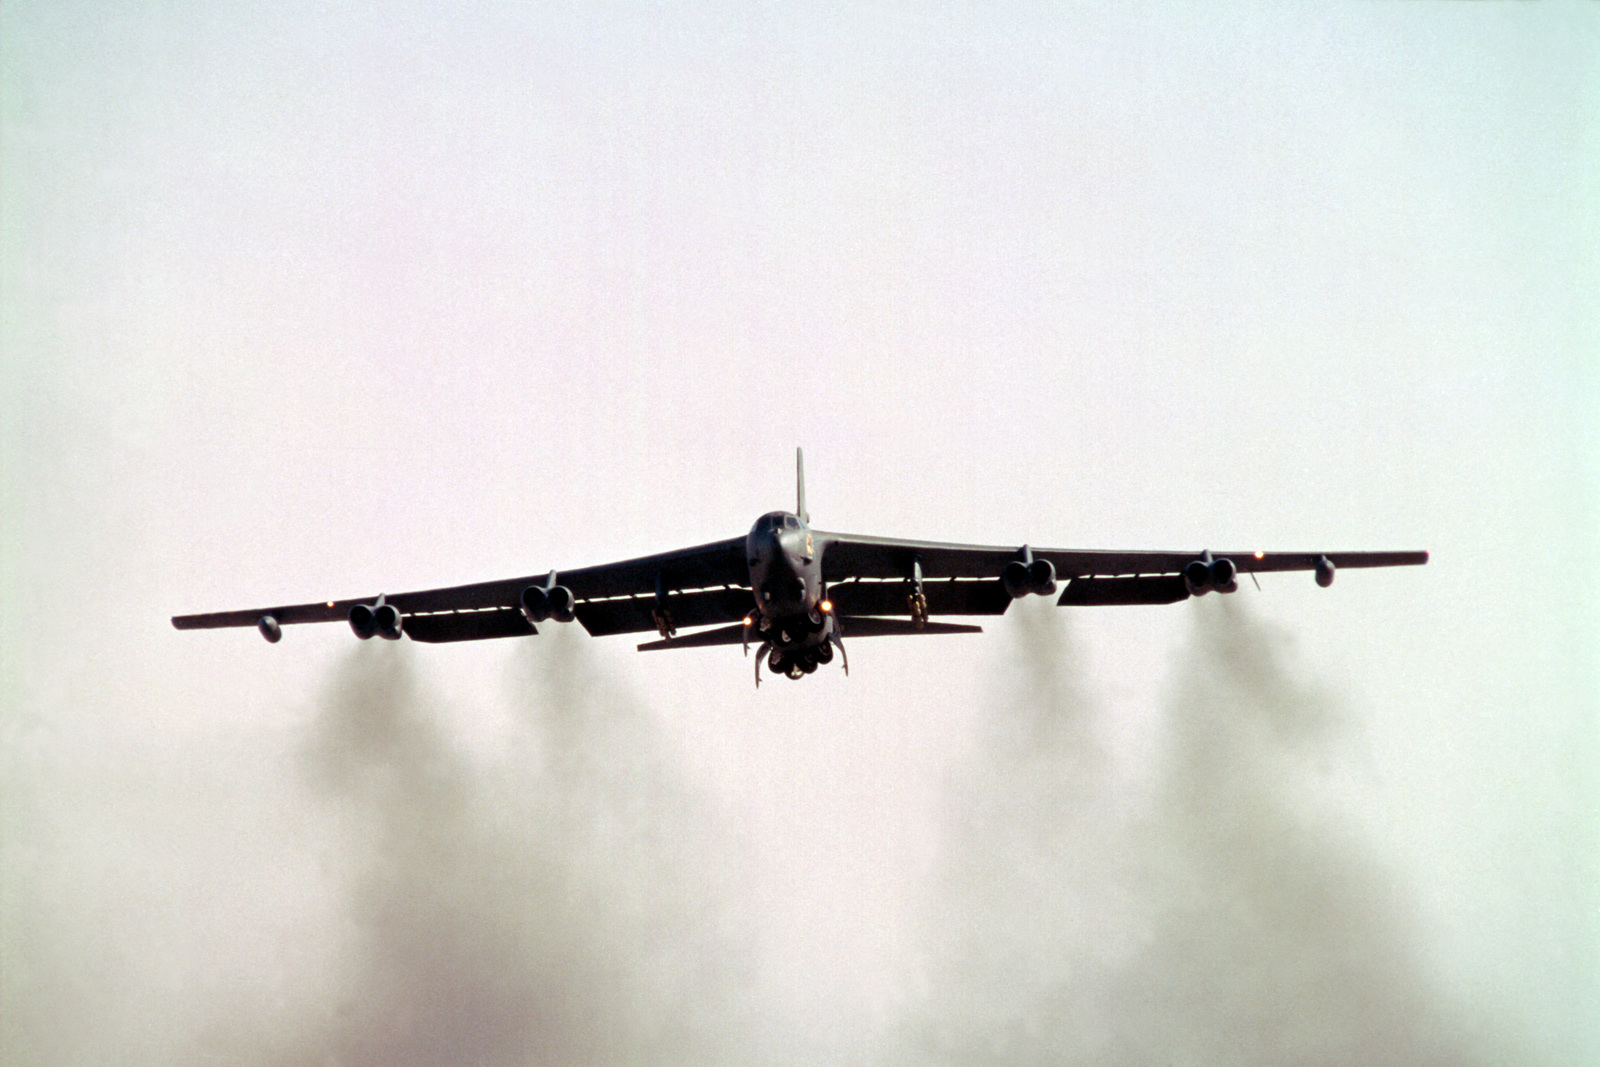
(799, 662)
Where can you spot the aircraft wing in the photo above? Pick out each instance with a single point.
(871, 575)
(699, 586)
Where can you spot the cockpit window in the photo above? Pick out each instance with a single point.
(790, 522)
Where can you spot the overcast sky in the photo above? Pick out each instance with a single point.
(306, 300)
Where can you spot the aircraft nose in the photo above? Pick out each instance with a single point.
(784, 588)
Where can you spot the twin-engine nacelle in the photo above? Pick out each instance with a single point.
(1204, 575)
(1021, 577)
(380, 619)
(556, 602)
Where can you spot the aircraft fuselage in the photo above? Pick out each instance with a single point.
(791, 614)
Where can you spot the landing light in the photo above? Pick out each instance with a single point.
(826, 606)
(330, 603)
(1260, 554)
(748, 620)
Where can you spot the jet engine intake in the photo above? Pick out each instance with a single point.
(1324, 571)
(268, 625)
(563, 605)
(1022, 577)
(1197, 576)
(536, 603)
(388, 621)
(1014, 576)
(1042, 577)
(1205, 574)
(362, 621)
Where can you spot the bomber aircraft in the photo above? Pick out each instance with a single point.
(795, 590)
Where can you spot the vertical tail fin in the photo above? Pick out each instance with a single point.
(800, 485)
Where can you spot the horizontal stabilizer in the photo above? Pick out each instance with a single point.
(857, 627)
(867, 626)
(467, 626)
(1162, 589)
(722, 635)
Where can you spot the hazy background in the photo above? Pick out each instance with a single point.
(307, 300)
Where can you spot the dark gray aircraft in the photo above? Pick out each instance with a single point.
(795, 590)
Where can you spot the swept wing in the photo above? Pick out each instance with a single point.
(702, 585)
(871, 574)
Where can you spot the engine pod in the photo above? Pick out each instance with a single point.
(362, 622)
(1042, 577)
(1324, 571)
(1014, 576)
(536, 603)
(1223, 573)
(268, 625)
(388, 621)
(563, 605)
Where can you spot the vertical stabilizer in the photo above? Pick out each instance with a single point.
(800, 486)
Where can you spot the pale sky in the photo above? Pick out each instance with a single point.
(305, 301)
